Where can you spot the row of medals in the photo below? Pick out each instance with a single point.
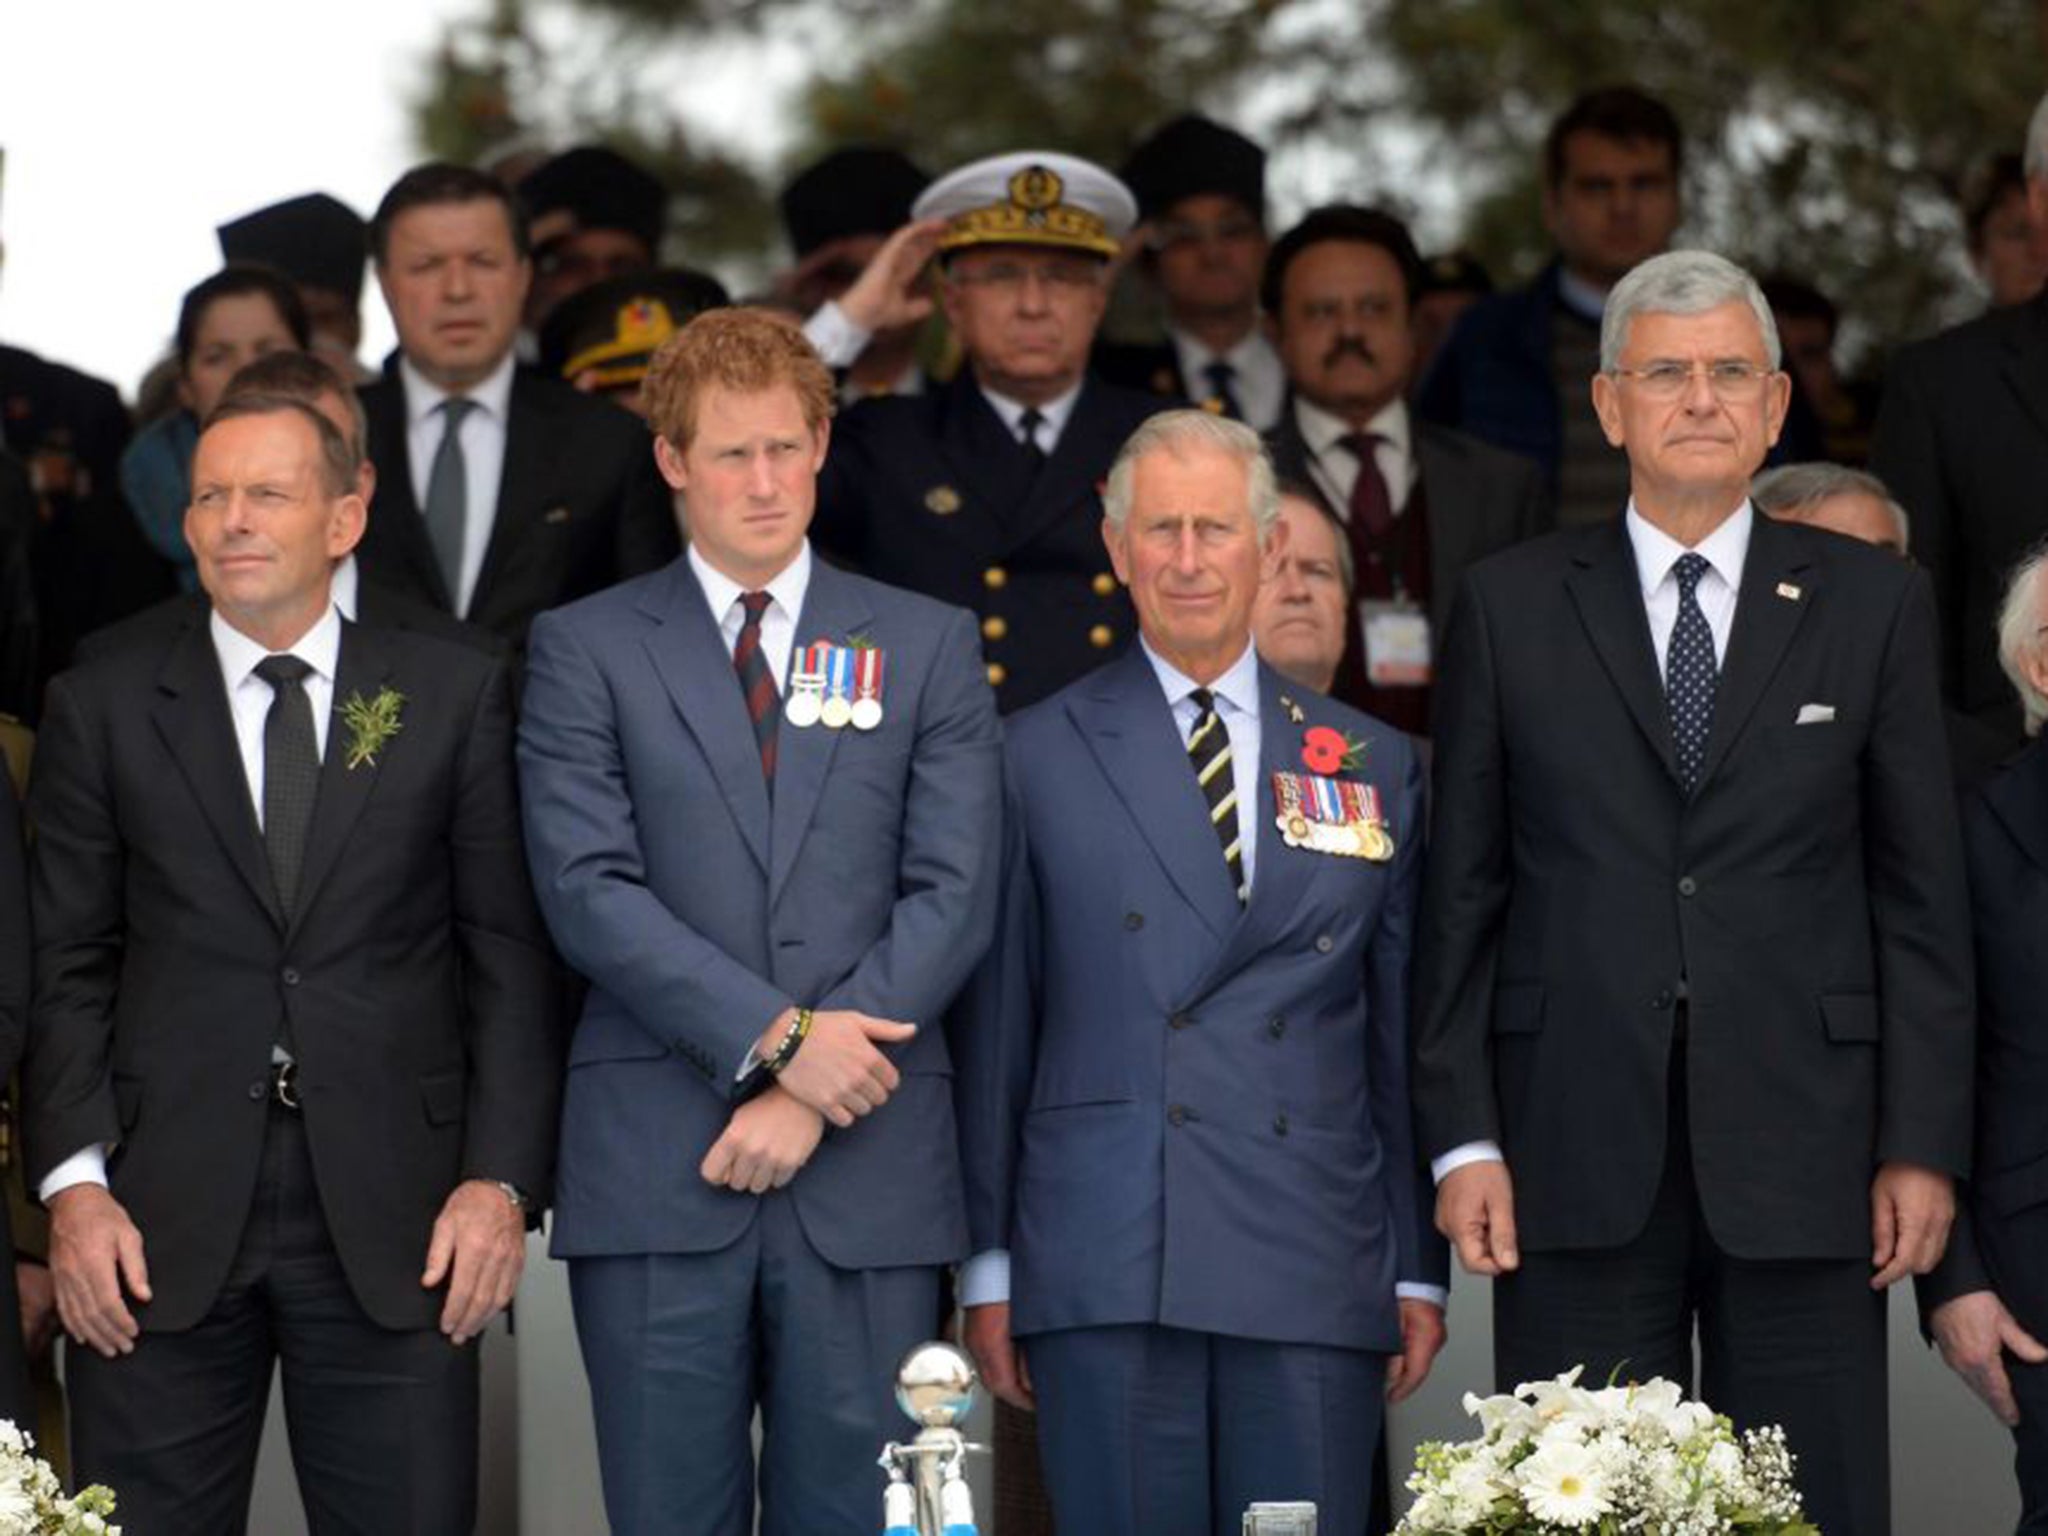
(1349, 839)
(809, 705)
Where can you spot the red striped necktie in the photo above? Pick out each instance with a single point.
(757, 683)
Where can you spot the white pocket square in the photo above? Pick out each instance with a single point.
(1815, 714)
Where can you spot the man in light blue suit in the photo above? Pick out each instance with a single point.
(1200, 1224)
(763, 802)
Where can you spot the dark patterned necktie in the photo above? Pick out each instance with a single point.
(291, 772)
(1222, 376)
(757, 683)
(1690, 673)
(1209, 751)
(1372, 507)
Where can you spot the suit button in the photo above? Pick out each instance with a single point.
(1102, 637)
(994, 627)
(291, 976)
(1687, 886)
(1324, 943)
(258, 1090)
(1276, 1026)
(1662, 999)
(1279, 1125)
(1179, 1114)
(998, 674)
(1181, 1020)
(1134, 921)
(1104, 584)
(995, 578)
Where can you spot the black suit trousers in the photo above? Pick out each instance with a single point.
(383, 1422)
(1797, 1343)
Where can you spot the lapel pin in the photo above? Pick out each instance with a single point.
(556, 515)
(1787, 591)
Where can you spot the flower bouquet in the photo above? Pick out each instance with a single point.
(32, 1501)
(1556, 1457)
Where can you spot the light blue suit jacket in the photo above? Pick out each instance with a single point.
(1175, 1110)
(699, 909)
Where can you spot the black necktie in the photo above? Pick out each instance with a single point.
(1209, 751)
(291, 772)
(447, 509)
(1690, 673)
(1027, 434)
(1222, 375)
(756, 681)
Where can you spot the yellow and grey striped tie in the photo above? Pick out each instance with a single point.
(1209, 751)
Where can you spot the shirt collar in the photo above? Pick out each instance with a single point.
(1322, 431)
(1656, 551)
(1194, 357)
(1238, 686)
(423, 396)
(319, 647)
(1580, 297)
(786, 588)
(347, 584)
(1053, 414)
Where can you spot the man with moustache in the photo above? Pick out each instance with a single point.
(503, 493)
(1694, 1031)
(1418, 503)
(293, 1059)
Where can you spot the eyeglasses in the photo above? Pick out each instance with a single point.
(1010, 277)
(1730, 379)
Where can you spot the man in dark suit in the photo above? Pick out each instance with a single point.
(1962, 440)
(1418, 503)
(984, 493)
(1199, 1218)
(294, 1058)
(502, 493)
(762, 799)
(1201, 190)
(1987, 1303)
(1694, 1039)
(17, 1403)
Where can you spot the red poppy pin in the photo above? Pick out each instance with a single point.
(1325, 749)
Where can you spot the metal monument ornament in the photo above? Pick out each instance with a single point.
(927, 1493)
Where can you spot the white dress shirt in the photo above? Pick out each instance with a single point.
(1053, 416)
(1259, 382)
(1335, 469)
(778, 620)
(483, 456)
(249, 700)
(1656, 552)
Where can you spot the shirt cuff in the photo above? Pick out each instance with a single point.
(748, 1063)
(88, 1165)
(838, 340)
(1443, 1167)
(1414, 1290)
(985, 1278)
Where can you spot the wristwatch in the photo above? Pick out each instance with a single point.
(516, 1195)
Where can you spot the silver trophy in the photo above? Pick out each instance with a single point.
(1280, 1520)
(927, 1492)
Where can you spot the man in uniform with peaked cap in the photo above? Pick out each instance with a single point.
(984, 493)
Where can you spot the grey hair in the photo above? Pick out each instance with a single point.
(1793, 489)
(2037, 143)
(2020, 621)
(1681, 283)
(1176, 431)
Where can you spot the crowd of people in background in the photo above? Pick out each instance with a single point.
(1346, 491)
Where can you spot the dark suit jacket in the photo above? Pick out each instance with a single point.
(415, 979)
(1477, 499)
(1178, 1110)
(1809, 895)
(930, 493)
(1152, 367)
(16, 1402)
(20, 629)
(1962, 442)
(580, 506)
(2000, 1239)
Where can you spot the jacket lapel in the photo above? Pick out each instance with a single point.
(833, 611)
(690, 657)
(398, 524)
(1079, 461)
(980, 454)
(1124, 719)
(1608, 592)
(363, 668)
(2019, 799)
(1774, 598)
(533, 440)
(2026, 360)
(192, 717)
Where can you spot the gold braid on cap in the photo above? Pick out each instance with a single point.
(1032, 215)
(640, 328)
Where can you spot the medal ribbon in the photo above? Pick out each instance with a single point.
(868, 673)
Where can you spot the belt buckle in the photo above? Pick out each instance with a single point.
(284, 1084)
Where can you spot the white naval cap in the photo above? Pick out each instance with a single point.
(1031, 197)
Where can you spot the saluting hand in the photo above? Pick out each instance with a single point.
(885, 294)
(94, 1251)
(837, 1070)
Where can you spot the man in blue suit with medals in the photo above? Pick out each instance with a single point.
(1200, 1226)
(763, 800)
